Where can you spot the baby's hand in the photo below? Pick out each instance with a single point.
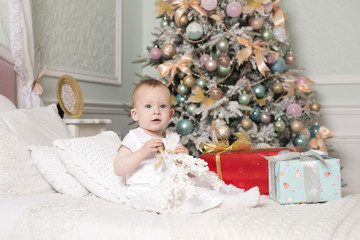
(151, 146)
(181, 149)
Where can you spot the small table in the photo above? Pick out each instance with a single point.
(86, 127)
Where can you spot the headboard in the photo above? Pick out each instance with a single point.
(7, 75)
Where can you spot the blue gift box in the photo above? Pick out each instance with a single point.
(303, 178)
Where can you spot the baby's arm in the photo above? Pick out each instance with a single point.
(126, 161)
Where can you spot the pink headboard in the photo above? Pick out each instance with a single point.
(8, 80)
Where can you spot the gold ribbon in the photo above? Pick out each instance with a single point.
(241, 144)
(318, 142)
(279, 16)
(182, 64)
(182, 6)
(163, 8)
(259, 47)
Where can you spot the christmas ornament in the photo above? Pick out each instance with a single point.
(294, 109)
(180, 98)
(301, 141)
(183, 21)
(155, 53)
(223, 132)
(313, 130)
(168, 50)
(296, 126)
(279, 66)
(194, 31)
(255, 115)
(246, 83)
(189, 81)
(224, 60)
(223, 71)
(268, 7)
(211, 65)
(209, 5)
(278, 88)
(199, 97)
(204, 58)
(306, 132)
(181, 88)
(256, 23)
(185, 127)
(301, 80)
(315, 106)
(267, 35)
(201, 83)
(265, 117)
(246, 123)
(165, 22)
(244, 98)
(234, 9)
(290, 59)
(259, 90)
(223, 45)
(191, 108)
(215, 93)
(270, 59)
(279, 125)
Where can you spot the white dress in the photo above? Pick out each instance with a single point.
(145, 184)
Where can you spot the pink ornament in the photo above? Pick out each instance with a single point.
(268, 7)
(234, 9)
(301, 80)
(204, 58)
(211, 65)
(246, 82)
(209, 5)
(155, 53)
(294, 109)
(270, 59)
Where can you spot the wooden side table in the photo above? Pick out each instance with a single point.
(86, 127)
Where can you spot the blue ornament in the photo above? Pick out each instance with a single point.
(194, 31)
(180, 98)
(185, 127)
(313, 130)
(301, 141)
(255, 115)
(259, 90)
(279, 66)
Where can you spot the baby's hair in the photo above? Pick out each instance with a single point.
(148, 83)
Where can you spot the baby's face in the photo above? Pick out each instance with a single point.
(152, 109)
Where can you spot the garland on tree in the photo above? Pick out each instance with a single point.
(230, 67)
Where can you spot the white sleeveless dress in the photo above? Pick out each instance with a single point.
(145, 184)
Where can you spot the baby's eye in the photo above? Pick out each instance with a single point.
(163, 106)
(147, 106)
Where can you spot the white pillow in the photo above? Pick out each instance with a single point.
(6, 104)
(53, 170)
(91, 161)
(20, 128)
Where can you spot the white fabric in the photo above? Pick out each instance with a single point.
(88, 218)
(91, 161)
(20, 128)
(6, 104)
(53, 170)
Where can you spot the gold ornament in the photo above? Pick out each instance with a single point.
(256, 23)
(223, 132)
(246, 123)
(189, 81)
(183, 21)
(216, 93)
(168, 50)
(278, 88)
(297, 126)
(315, 107)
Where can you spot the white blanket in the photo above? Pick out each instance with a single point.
(92, 218)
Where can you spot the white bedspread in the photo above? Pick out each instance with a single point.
(92, 218)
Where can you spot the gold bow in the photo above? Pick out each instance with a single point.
(279, 15)
(241, 144)
(182, 6)
(163, 8)
(182, 64)
(259, 47)
(318, 142)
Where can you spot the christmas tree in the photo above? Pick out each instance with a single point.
(229, 65)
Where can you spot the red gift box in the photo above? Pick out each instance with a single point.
(244, 169)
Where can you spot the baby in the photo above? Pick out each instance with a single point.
(138, 156)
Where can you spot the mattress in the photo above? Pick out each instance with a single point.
(53, 216)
